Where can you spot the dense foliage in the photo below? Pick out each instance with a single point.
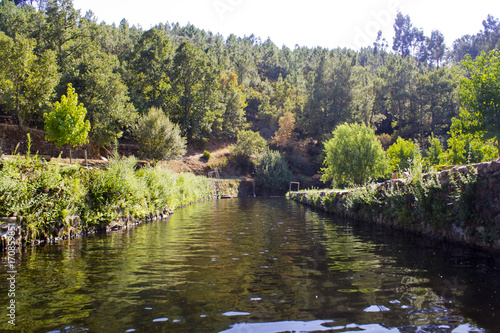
(480, 95)
(272, 171)
(158, 137)
(402, 153)
(353, 156)
(66, 122)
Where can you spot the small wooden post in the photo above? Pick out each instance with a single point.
(70, 157)
(86, 161)
(290, 187)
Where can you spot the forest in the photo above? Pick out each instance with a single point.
(215, 88)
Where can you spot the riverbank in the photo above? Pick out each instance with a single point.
(461, 204)
(49, 200)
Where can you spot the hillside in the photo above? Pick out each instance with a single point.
(13, 139)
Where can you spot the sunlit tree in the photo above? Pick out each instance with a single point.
(66, 123)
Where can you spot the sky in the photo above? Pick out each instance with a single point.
(330, 24)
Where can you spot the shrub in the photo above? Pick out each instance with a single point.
(469, 148)
(353, 156)
(401, 154)
(158, 137)
(206, 155)
(47, 196)
(272, 170)
(385, 139)
(435, 152)
(249, 143)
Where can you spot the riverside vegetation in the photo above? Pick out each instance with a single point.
(456, 204)
(51, 200)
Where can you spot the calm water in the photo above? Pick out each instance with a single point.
(254, 265)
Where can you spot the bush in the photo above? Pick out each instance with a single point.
(158, 137)
(385, 139)
(434, 153)
(353, 156)
(249, 143)
(466, 147)
(116, 192)
(206, 155)
(401, 154)
(272, 171)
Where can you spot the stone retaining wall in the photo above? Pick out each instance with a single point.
(461, 204)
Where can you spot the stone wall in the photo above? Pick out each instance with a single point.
(461, 204)
(14, 138)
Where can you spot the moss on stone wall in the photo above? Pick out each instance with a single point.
(461, 204)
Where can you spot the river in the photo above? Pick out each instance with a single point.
(254, 266)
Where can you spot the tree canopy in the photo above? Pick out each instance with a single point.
(353, 156)
(214, 87)
(66, 122)
(480, 94)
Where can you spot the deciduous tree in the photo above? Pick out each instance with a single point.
(66, 123)
(402, 153)
(480, 95)
(285, 135)
(26, 81)
(353, 156)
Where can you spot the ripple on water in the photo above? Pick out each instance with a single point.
(376, 308)
(158, 320)
(282, 326)
(235, 313)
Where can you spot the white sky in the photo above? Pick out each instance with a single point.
(326, 23)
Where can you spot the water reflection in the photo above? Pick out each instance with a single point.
(266, 265)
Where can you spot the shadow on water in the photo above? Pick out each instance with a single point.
(255, 265)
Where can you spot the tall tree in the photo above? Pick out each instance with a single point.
(149, 67)
(400, 75)
(480, 96)
(66, 32)
(21, 20)
(195, 106)
(26, 81)
(438, 100)
(490, 34)
(233, 102)
(437, 47)
(330, 101)
(104, 94)
(407, 38)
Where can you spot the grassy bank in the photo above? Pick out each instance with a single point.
(50, 200)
